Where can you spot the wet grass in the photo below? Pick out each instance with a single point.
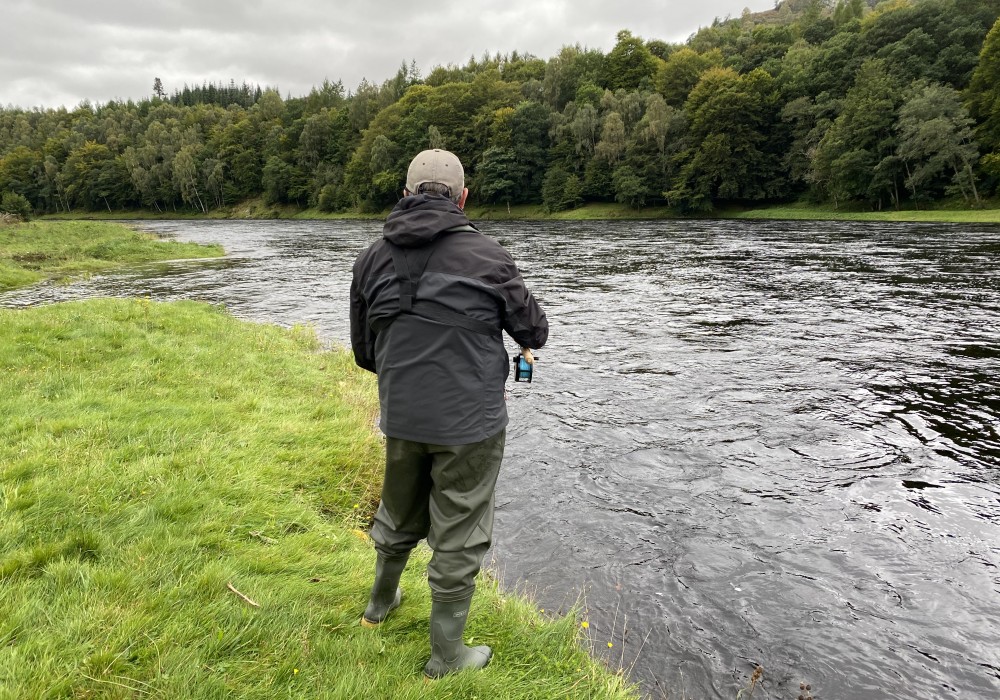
(60, 250)
(180, 500)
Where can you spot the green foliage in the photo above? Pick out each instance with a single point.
(328, 199)
(991, 166)
(529, 138)
(16, 205)
(846, 11)
(498, 175)
(276, 180)
(938, 40)
(763, 47)
(572, 194)
(809, 121)
(589, 94)
(387, 188)
(935, 143)
(735, 155)
(630, 64)
(678, 75)
(20, 171)
(512, 118)
(561, 190)
(222, 94)
(93, 176)
(572, 67)
(984, 92)
(596, 184)
(629, 188)
(856, 158)
(553, 188)
(612, 145)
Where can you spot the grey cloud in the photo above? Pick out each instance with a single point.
(61, 52)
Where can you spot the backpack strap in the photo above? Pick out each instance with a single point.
(410, 264)
(409, 280)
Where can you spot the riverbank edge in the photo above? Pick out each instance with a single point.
(113, 423)
(951, 212)
(37, 251)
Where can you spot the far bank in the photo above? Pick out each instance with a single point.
(798, 211)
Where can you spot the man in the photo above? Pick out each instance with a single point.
(428, 304)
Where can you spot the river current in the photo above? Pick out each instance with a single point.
(747, 443)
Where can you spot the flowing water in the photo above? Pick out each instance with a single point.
(746, 444)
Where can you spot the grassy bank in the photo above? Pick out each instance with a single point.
(42, 250)
(250, 209)
(597, 211)
(817, 212)
(256, 209)
(157, 458)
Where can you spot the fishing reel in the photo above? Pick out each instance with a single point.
(523, 368)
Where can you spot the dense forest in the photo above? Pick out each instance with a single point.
(896, 104)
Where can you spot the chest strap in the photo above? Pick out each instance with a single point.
(410, 264)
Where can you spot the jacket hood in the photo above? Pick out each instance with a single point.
(417, 220)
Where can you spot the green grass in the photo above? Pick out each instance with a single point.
(58, 250)
(819, 212)
(152, 454)
(797, 211)
(150, 214)
(587, 212)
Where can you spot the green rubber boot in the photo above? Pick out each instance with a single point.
(448, 652)
(386, 593)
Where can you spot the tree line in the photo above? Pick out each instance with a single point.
(886, 105)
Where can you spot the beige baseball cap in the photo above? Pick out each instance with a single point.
(439, 166)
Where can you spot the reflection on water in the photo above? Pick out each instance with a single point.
(747, 443)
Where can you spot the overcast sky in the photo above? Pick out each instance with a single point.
(59, 52)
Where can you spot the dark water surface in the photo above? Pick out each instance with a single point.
(747, 443)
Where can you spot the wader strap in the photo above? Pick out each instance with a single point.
(409, 278)
(425, 308)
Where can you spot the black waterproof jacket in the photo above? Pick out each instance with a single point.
(440, 383)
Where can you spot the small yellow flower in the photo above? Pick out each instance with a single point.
(357, 505)
(610, 645)
(295, 671)
(584, 624)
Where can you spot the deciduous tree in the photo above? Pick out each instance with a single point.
(846, 164)
(935, 141)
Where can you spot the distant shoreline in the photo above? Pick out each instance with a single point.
(256, 209)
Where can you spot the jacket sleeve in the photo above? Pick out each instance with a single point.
(524, 320)
(362, 337)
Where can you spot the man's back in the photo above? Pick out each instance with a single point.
(439, 382)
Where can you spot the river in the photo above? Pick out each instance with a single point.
(747, 443)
